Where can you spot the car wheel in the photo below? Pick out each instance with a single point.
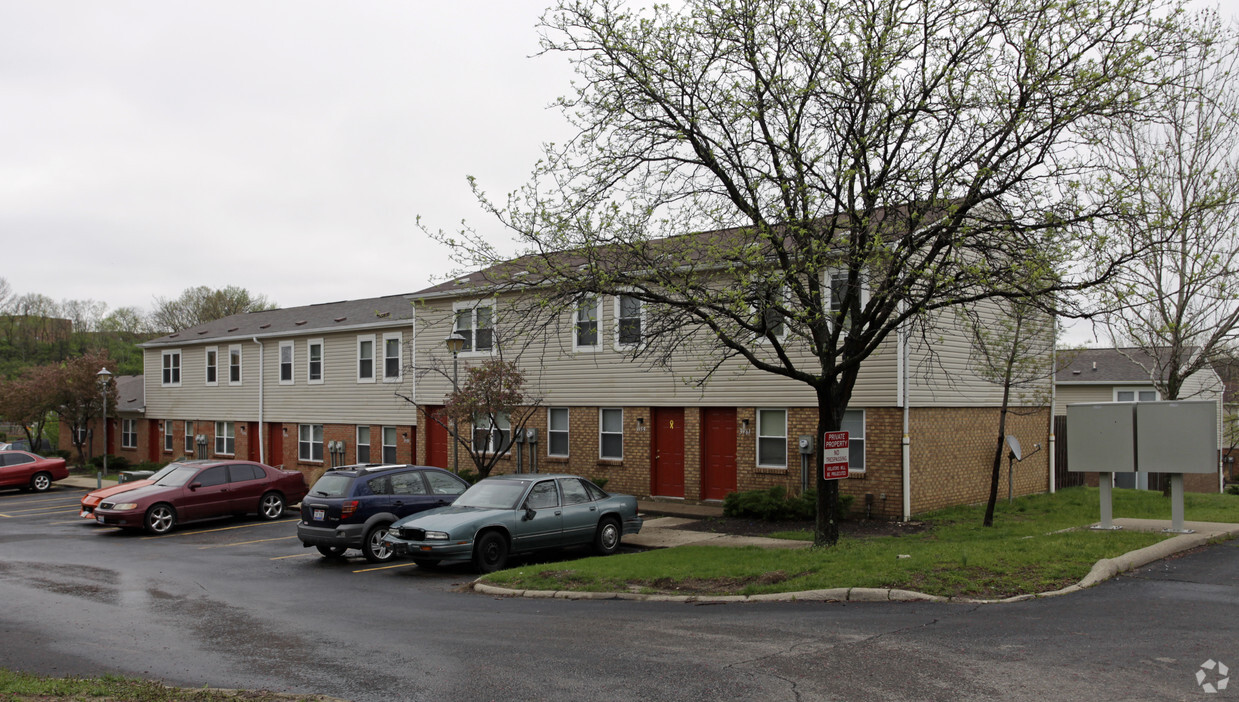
(374, 548)
(332, 551)
(160, 519)
(271, 506)
(607, 540)
(425, 563)
(41, 482)
(491, 552)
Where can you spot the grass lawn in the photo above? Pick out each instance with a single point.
(1025, 552)
(25, 686)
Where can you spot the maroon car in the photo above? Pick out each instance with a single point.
(197, 490)
(21, 469)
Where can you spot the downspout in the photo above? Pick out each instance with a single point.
(262, 449)
(902, 392)
(1053, 398)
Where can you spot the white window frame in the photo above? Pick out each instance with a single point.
(167, 370)
(383, 445)
(309, 361)
(828, 277)
(189, 436)
(128, 433)
(399, 339)
(362, 338)
(759, 436)
(493, 429)
(309, 443)
(603, 432)
(291, 348)
(209, 368)
(576, 320)
(167, 435)
(239, 364)
(471, 332)
(566, 431)
(622, 345)
(225, 434)
(366, 443)
(1135, 390)
(856, 443)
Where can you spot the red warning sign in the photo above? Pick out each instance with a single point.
(835, 455)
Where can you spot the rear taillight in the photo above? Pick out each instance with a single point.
(347, 510)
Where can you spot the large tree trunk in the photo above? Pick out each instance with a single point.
(827, 528)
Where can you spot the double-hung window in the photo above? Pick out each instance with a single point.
(212, 365)
(129, 433)
(365, 358)
(171, 369)
(492, 437)
(1135, 395)
(611, 434)
(475, 323)
(629, 316)
(389, 444)
(557, 432)
(167, 435)
(585, 324)
(392, 357)
(310, 443)
(287, 356)
(768, 303)
(837, 287)
(225, 438)
(854, 424)
(189, 436)
(363, 444)
(772, 438)
(234, 364)
(314, 361)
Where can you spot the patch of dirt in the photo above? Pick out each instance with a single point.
(708, 586)
(856, 529)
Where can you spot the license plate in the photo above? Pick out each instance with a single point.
(319, 514)
(99, 519)
(85, 513)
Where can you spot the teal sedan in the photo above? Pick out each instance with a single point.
(510, 514)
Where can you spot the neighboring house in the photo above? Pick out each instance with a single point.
(1125, 375)
(284, 387)
(127, 429)
(649, 432)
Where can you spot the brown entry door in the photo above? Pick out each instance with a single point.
(252, 433)
(668, 452)
(718, 477)
(275, 447)
(436, 440)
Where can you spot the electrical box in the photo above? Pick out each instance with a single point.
(531, 435)
(806, 445)
(519, 436)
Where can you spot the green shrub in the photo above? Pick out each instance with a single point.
(469, 476)
(600, 482)
(1232, 489)
(774, 504)
(117, 463)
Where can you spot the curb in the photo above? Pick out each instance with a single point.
(1102, 571)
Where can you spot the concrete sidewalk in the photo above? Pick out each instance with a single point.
(660, 532)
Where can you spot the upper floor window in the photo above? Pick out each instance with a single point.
(1135, 395)
(171, 368)
(365, 358)
(212, 365)
(772, 438)
(837, 288)
(629, 316)
(392, 357)
(234, 364)
(585, 324)
(476, 325)
(314, 361)
(286, 362)
(768, 306)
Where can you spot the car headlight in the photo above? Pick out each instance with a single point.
(437, 536)
(125, 505)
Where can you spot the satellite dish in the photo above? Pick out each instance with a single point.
(1014, 444)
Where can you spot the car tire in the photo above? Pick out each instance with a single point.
(271, 506)
(160, 519)
(332, 551)
(374, 548)
(490, 553)
(41, 481)
(607, 538)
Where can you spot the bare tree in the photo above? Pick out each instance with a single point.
(203, 304)
(877, 162)
(1178, 304)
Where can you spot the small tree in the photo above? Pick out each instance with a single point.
(79, 397)
(493, 404)
(30, 399)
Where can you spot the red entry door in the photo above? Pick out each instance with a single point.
(154, 439)
(668, 452)
(718, 476)
(275, 444)
(252, 434)
(436, 440)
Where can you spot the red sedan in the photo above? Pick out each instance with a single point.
(25, 470)
(197, 490)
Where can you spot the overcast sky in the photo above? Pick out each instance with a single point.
(285, 146)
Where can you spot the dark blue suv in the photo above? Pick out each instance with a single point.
(352, 506)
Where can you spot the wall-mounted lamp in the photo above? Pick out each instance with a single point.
(640, 423)
(744, 427)
(285, 431)
(242, 428)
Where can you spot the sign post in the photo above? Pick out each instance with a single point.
(835, 455)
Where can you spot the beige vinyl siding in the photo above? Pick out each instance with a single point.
(563, 377)
(1072, 394)
(194, 399)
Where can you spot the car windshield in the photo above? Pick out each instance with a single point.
(163, 471)
(332, 485)
(493, 494)
(178, 476)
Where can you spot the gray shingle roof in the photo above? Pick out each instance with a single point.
(1127, 365)
(130, 393)
(390, 311)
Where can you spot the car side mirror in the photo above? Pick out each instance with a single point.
(195, 486)
(529, 513)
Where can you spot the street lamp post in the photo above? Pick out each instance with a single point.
(455, 344)
(103, 377)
